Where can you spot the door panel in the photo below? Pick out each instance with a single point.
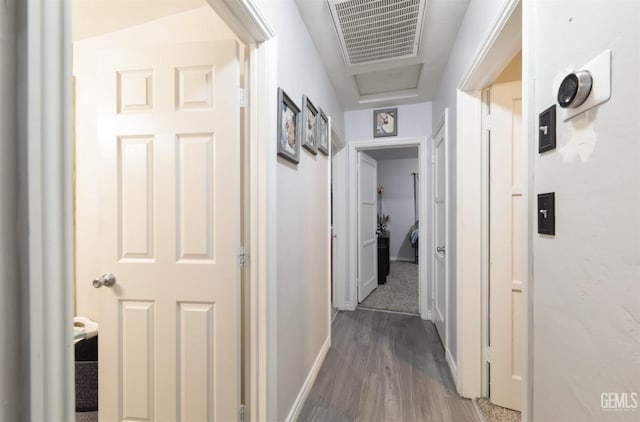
(367, 223)
(197, 342)
(440, 223)
(195, 196)
(505, 233)
(169, 225)
(137, 325)
(135, 191)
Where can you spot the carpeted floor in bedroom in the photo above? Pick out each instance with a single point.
(494, 413)
(399, 293)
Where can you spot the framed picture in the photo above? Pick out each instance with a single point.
(288, 138)
(308, 129)
(322, 132)
(385, 122)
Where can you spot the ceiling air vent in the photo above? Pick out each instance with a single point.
(375, 30)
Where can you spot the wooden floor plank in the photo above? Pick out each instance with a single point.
(385, 367)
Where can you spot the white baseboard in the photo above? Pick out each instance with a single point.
(452, 368)
(294, 413)
(402, 259)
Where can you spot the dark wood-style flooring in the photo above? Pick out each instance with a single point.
(385, 367)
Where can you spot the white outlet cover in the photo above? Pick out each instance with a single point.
(600, 69)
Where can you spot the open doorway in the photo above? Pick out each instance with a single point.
(363, 236)
(51, 181)
(493, 200)
(397, 230)
(503, 303)
(160, 212)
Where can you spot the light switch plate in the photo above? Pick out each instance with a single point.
(547, 130)
(547, 213)
(600, 69)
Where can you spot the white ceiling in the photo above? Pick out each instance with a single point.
(388, 82)
(91, 18)
(393, 153)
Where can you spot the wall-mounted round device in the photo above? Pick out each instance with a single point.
(575, 89)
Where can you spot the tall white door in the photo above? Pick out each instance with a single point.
(439, 231)
(367, 223)
(169, 225)
(505, 234)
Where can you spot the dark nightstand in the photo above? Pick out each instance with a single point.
(383, 257)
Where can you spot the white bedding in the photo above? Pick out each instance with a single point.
(415, 235)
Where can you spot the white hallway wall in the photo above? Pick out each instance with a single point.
(414, 120)
(397, 202)
(302, 207)
(586, 287)
(475, 26)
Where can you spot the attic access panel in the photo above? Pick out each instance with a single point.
(376, 30)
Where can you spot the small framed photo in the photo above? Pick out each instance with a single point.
(385, 122)
(308, 129)
(322, 132)
(288, 140)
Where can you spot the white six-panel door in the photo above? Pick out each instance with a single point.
(505, 234)
(439, 230)
(168, 128)
(367, 224)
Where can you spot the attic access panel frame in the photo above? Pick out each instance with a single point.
(379, 30)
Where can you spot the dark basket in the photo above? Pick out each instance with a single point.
(86, 356)
(86, 386)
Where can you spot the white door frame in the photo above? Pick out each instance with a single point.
(50, 212)
(499, 46)
(443, 124)
(349, 288)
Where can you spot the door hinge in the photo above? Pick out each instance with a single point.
(243, 98)
(243, 256)
(487, 354)
(488, 98)
(243, 413)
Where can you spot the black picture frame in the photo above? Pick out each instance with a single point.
(308, 133)
(385, 122)
(322, 132)
(288, 130)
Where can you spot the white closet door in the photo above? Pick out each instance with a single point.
(505, 234)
